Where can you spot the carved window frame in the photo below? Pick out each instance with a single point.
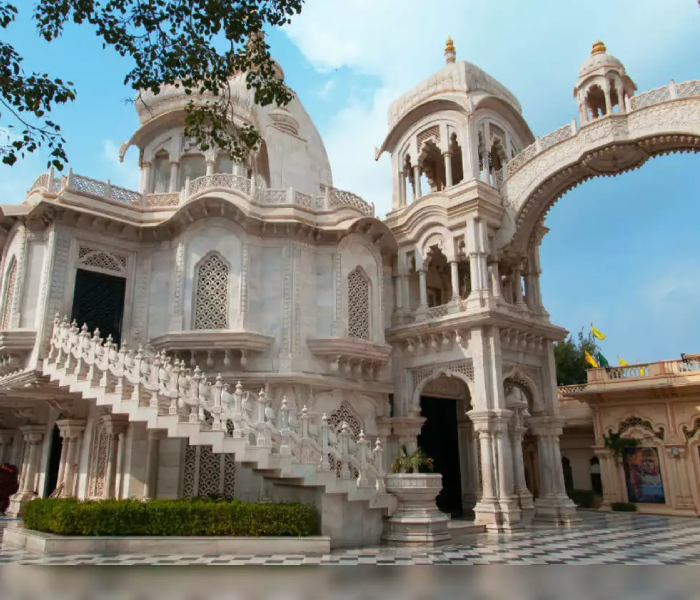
(353, 306)
(9, 290)
(197, 279)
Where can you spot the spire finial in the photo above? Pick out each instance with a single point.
(450, 53)
(599, 48)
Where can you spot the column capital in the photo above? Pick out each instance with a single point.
(490, 421)
(115, 424)
(33, 434)
(71, 428)
(6, 436)
(546, 425)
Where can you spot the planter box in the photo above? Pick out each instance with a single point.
(57, 545)
(417, 521)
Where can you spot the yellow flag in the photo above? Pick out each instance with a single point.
(623, 363)
(591, 361)
(597, 333)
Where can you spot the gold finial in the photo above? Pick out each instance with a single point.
(599, 48)
(449, 45)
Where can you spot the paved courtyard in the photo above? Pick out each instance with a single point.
(599, 539)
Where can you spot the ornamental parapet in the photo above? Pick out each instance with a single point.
(253, 189)
(666, 372)
(666, 93)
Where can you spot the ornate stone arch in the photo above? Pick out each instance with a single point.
(464, 371)
(433, 239)
(643, 427)
(512, 375)
(210, 305)
(102, 261)
(8, 295)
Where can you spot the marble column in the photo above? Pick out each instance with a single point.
(150, 486)
(553, 504)
(33, 438)
(72, 434)
(417, 193)
(448, 169)
(454, 280)
(402, 189)
(608, 101)
(608, 477)
(172, 187)
(116, 426)
(477, 241)
(422, 310)
(517, 432)
(518, 288)
(145, 178)
(497, 507)
(210, 167)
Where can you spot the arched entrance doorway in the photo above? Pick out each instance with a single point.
(447, 436)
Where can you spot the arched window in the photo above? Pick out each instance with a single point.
(9, 295)
(358, 305)
(211, 294)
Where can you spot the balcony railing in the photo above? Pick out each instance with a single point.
(658, 95)
(331, 199)
(645, 371)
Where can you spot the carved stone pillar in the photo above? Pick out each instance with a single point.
(72, 434)
(150, 486)
(609, 477)
(116, 426)
(517, 432)
(553, 504)
(497, 508)
(33, 437)
(172, 185)
(448, 169)
(407, 430)
(454, 280)
(417, 193)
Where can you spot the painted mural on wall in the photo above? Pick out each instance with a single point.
(643, 475)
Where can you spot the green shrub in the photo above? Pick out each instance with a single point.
(583, 498)
(624, 507)
(200, 517)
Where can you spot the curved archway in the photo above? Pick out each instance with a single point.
(448, 437)
(661, 121)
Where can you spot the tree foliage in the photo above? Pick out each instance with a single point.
(570, 359)
(193, 44)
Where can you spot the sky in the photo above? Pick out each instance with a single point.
(622, 253)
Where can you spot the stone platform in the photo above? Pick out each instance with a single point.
(48, 544)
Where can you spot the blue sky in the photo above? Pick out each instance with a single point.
(621, 252)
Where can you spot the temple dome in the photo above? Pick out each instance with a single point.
(599, 58)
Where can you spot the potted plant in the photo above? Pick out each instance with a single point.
(417, 519)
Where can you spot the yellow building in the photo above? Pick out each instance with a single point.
(656, 404)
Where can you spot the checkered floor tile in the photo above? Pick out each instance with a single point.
(598, 539)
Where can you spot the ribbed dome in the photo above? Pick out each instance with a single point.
(599, 58)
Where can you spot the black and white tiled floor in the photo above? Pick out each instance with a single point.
(598, 539)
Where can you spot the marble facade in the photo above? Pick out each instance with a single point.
(265, 274)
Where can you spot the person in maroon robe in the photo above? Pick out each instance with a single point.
(9, 484)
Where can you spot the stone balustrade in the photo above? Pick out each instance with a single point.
(644, 371)
(331, 199)
(563, 391)
(158, 381)
(658, 95)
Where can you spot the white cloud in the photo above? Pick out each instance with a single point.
(535, 50)
(327, 88)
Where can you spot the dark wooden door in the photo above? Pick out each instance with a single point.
(98, 301)
(439, 438)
